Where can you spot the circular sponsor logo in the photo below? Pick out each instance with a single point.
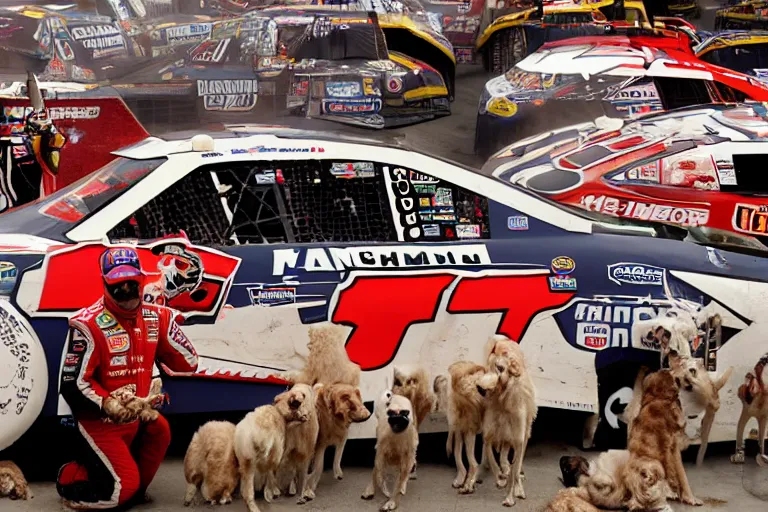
(502, 107)
(395, 84)
(563, 265)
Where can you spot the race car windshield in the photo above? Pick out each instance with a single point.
(743, 59)
(71, 204)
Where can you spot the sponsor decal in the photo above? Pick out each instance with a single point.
(343, 89)
(264, 149)
(20, 151)
(726, 174)
(103, 40)
(394, 84)
(592, 336)
(563, 265)
(405, 202)
(105, 320)
(8, 274)
(647, 172)
(272, 296)
(57, 113)
(178, 336)
(636, 273)
(501, 107)
(68, 378)
(118, 361)
(64, 49)
(467, 231)
(353, 170)
(369, 89)
(363, 106)
(562, 284)
(211, 155)
(69, 369)
(517, 223)
(646, 211)
(300, 88)
(431, 229)
(418, 178)
(78, 346)
(188, 33)
(72, 359)
(91, 31)
(318, 259)
(235, 95)
(118, 342)
(210, 51)
(751, 218)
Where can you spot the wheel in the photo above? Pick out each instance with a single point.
(23, 374)
(509, 47)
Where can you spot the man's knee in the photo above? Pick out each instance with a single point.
(158, 432)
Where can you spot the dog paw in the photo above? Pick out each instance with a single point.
(226, 500)
(338, 474)
(519, 491)
(501, 483)
(390, 505)
(367, 494)
(292, 488)
(459, 481)
(412, 476)
(187, 503)
(467, 489)
(308, 495)
(692, 500)
(509, 502)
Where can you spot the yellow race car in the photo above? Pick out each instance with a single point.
(748, 15)
(511, 37)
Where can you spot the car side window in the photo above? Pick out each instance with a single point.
(267, 202)
(434, 210)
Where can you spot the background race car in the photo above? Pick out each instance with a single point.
(695, 167)
(579, 79)
(739, 50)
(320, 64)
(752, 14)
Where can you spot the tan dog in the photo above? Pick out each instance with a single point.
(12, 482)
(465, 417)
(754, 402)
(656, 431)
(414, 386)
(396, 441)
(338, 406)
(572, 499)
(614, 481)
(260, 442)
(328, 362)
(210, 463)
(509, 414)
(300, 441)
(128, 406)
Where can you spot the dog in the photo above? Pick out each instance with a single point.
(328, 362)
(210, 463)
(572, 499)
(300, 441)
(754, 404)
(260, 442)
(145, 408)
(414, 386)
(396, 442)
(12, 482)
(338, 406)
(465, 417)
(611, 482)
(656, 432)
(509, 413)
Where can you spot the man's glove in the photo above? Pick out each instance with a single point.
(116, 412)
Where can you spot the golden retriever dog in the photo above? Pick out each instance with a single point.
(338, 406)
(142, 407)
(614, 481)
(414, 385)
(656, 432)
(12, 482)
(300, 441)
(509, 413)
(396, 442)
(210, 463)
(260, 442)
(328, 362)
(465, 417)
(754, 404)
(572, 499)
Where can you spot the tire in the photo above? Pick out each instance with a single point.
(23, 375)
(510, 46)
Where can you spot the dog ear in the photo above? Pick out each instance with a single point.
(317, 387)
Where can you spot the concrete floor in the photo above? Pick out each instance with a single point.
(719, 484)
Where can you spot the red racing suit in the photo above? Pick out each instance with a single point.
(105, 352)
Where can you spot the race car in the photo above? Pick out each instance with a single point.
(745, 51)
(690, 167)
(684, 8)
(422, 260)
(749, 15)
(310, 63)
(579, 79)
(520, 29)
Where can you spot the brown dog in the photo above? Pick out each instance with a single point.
(754, 402)
(657, 430)
(300, 441)
(210, 463)
(509, 413)
(12, 482)
(260, 441)
(396, 443)
(465, 417)
(328, 362)
(338, 406)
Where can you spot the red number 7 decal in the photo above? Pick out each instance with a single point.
(381, 308)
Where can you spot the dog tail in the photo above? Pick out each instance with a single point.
(720, 382)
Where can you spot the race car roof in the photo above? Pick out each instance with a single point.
(617, 56)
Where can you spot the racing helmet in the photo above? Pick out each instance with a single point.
(182, 270)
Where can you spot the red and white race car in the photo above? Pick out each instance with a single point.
(693, 167)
